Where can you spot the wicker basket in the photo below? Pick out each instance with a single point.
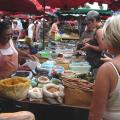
(76, 95)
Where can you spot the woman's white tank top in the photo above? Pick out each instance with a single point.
(112, 111)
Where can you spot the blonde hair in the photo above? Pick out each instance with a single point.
(111, 32)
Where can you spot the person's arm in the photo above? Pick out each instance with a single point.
(101, 92)
(26, 55)
(19, 34)
(22, 53)
(88, 46)
(99, 38)
(106, 59)
(100, 46)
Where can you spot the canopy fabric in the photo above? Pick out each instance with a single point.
(115, 5)
(63, 4)
(85, 11)
(67, 4)
(24, 16)
(3, 13)
(18, 15)
(100, 1)
(112, 4)
(25, 6)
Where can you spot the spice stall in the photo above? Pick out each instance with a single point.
(56, 87)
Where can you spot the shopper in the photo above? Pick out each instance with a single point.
(31, 29)
(54, 29)
(106, 98)
(15, 31)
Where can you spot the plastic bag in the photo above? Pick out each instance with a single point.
(58, 37)
(15, 88)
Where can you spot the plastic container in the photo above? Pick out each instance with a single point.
(82, 67)
(59, 69)
(27, 74)
(44, 54)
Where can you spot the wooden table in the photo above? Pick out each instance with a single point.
(70, 38)
(45, 111)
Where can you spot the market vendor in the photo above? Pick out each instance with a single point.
(8, 53)
(94, 47)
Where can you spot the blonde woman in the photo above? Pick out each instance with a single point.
(106, 98)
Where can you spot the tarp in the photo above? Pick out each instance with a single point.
(84, 11)
(112, 4)
(25, 6)
(63, 4)
(100, 1)
(115, 5)
(3, 13)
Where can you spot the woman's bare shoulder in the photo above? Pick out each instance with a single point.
(105, 69)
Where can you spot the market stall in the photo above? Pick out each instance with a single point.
(56, 92)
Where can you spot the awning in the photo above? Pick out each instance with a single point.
(24, 6)
(63, 4)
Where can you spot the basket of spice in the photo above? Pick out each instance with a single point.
(78, 92)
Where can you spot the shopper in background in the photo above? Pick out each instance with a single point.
(54, 29)
(106, 98)
(31, 29)
(37, 30)
(15, 31)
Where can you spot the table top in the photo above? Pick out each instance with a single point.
(43, 104)
(70, 38)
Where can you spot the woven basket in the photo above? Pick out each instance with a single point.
(76, 95)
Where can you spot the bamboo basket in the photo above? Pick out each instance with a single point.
(76, 95)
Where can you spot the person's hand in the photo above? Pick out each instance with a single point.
(24, 68)
(86, 47)
(33, 57)
(106, 59)
(85, 40)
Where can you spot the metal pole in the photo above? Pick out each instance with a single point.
(44, 24)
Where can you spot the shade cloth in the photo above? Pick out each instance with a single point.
(25, 6)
